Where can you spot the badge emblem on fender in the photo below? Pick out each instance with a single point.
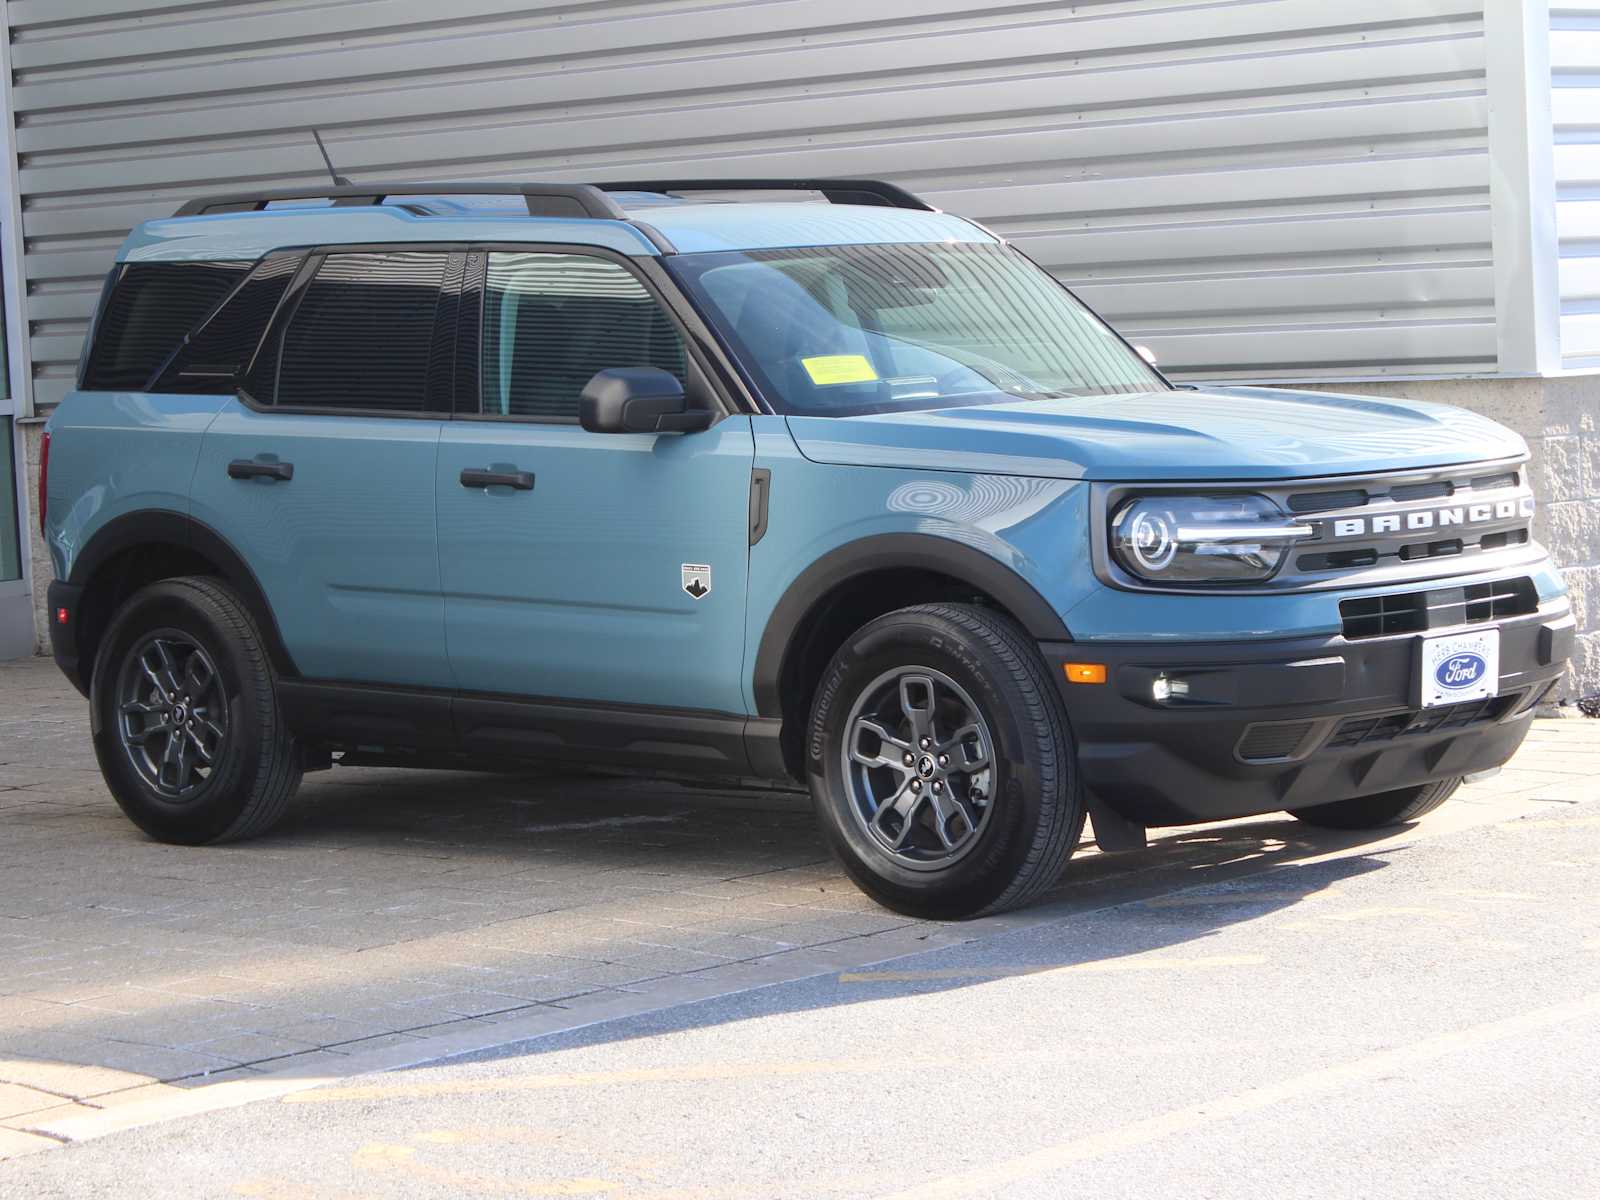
(697, 579)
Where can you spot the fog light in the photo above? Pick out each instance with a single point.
(1164, 689)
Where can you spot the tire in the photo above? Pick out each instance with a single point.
(1386, 808)
(195, 637)
(1013, 823)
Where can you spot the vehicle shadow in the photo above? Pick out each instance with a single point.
(670, 850)
(1108, 925)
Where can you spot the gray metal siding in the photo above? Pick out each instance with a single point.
(1575, 109)
(1253, 188)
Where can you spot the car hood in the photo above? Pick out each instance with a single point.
(1211, 433)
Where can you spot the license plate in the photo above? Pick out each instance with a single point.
(1460, 666)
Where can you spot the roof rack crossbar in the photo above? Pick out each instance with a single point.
(542, 199)
(837, 191)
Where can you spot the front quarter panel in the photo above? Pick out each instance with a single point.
(1035, 528)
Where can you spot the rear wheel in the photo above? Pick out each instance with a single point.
(186, 722)
(1386, 808)
(941, 764)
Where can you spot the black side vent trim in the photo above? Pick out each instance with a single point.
(1273, 740)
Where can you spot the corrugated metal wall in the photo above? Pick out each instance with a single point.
(1254, 188)
(1575, 108)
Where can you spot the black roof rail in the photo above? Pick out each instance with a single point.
(543, 199)
(838, 191)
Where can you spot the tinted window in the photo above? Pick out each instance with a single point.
(150, 309)
(361, 337)
(226, 343)
(550, 321)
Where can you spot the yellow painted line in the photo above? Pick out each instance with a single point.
(1240, 898)
(1107, 966)
(1467, 893)
(1015, 1171)
(1396, 910)
(697, 1074)
(385, 1158)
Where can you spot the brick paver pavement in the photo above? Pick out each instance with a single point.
(395, 906)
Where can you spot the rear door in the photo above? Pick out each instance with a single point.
(604, 567)
(322, 475)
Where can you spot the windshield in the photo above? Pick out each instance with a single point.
(844, 330)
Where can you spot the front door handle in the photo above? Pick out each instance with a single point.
(250, 468)
(479, 477)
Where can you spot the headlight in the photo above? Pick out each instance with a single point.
(1202, 539)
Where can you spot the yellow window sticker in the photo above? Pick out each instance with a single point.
(839, 368)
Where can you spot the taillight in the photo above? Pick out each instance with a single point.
(44, 477)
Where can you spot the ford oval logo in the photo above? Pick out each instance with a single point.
(1460, 670)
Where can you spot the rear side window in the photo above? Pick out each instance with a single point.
(551, 321)
(361, 337)
(152, 306)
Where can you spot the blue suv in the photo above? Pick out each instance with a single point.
(713, 479)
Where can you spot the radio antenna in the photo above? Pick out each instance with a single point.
(338, 179)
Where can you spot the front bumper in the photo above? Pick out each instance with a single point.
(1274, 725)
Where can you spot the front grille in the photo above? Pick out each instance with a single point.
(1437, 608)
(1405, 524)
(1315, 502)
(1388, 727)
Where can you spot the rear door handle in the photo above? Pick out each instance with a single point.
(250, 468)
(480, 477)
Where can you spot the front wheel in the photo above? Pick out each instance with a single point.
(1386, 808)
(186, 721)
(941, 763)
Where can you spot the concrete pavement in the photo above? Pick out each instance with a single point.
(1413, 1021)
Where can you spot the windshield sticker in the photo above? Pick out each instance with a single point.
(829, 369)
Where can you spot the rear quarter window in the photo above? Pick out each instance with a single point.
(150, 309)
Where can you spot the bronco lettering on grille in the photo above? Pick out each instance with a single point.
(1429, 518)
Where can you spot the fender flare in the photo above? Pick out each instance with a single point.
(887, 551)
(166, 527)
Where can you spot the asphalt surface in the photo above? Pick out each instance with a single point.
(1412, 1020)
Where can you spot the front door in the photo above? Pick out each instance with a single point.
(603, 569)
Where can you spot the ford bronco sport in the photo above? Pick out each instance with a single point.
(647, 476)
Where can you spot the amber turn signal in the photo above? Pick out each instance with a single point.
(1085, 672)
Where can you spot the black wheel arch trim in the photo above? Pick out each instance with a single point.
(167, 527)
(888, 551)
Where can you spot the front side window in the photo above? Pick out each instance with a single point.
(362, 335)
(551, 321)
(842, 330)
(149, 310)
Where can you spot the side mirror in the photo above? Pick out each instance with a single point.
(1146, 353)
(638, 400)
